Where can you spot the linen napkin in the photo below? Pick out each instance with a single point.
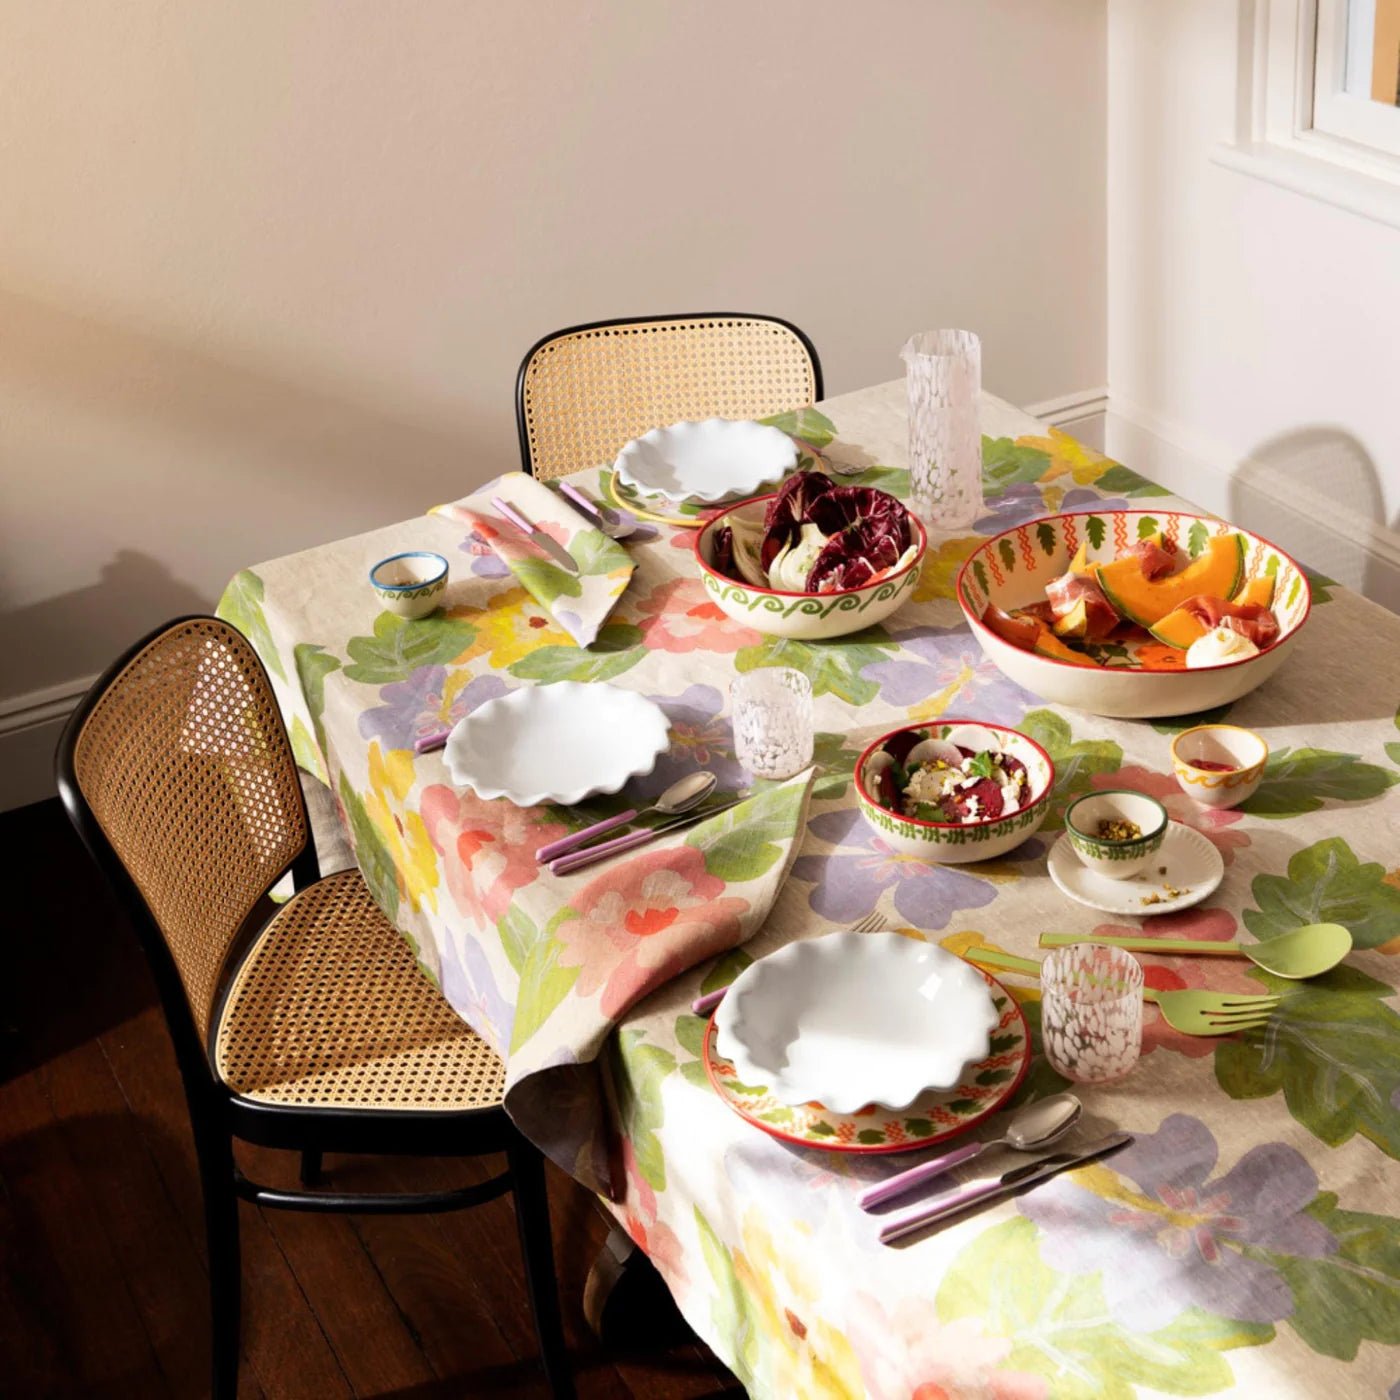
(610, 935)
(579, 603)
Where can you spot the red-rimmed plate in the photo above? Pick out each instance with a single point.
(930, 1119)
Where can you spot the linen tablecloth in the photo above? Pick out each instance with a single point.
(1247, 1243)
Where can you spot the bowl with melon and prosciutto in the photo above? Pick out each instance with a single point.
(1134, 614)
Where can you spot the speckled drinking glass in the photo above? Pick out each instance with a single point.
(772, 721)
(1091, 1012)
(943, 377)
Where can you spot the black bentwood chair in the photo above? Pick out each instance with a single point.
(583, 393)
(305, 1025)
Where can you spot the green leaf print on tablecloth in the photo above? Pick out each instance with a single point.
(835, 765)
(1392, 751)
(1119, 480)
(543, 982)
(616, 649)
(401, 645)
(373, 857)
(1060, 1327)
(1333, 1048)
(729, 1309)
(545, 580)
(1179, 724)
(1327, 884)
(1303, 780)
(833, 667)
(744, 842)
(313, 665)
(638, 1070)
(895, 480)
(518, 933)
(1005, 464)
(1077, 761)
(242, 607)
(809, 424)
(1353, 1295)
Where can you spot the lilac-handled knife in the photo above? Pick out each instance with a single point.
(535, 535)
(608, 521)
(566, 865)
(961, 1198)
(685, 793)
(426, 743)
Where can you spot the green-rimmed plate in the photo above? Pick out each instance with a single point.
(930, 1119)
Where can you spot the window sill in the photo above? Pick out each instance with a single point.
(1372, 196)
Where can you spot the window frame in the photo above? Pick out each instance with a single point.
(1338, 112)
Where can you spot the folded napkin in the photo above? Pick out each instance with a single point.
(610, 935)
(579, 603)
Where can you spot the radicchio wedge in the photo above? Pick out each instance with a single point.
(790, 509)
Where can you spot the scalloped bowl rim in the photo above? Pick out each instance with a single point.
(642, 765)
(979, 627)
(754, 588)
(629, 450)
(910, 1069)
(870, 750)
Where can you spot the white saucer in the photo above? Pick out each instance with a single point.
(1193, 865)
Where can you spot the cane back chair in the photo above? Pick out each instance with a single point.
(584, 392)
(306, 1025)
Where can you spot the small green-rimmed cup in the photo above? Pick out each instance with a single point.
(410, 584)
(1118, 860)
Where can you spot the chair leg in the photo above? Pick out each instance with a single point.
(311, 1166)
(225, 1276)
(537, 1246)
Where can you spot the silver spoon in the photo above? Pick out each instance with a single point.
(681, 796)
(1034, 1126)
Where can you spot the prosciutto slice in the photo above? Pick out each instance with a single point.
(1155, 561)
(1251, 620)
(1064, 594)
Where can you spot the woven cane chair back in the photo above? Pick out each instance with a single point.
(586, 392)
(186, 767)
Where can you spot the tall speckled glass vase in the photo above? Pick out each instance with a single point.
(943, 375)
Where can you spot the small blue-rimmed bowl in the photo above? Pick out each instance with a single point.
(410, 584)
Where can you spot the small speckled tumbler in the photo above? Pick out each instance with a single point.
(772, 721)
(943, 376)
(1091, 1012)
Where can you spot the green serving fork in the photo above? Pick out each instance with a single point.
(1191, 1013)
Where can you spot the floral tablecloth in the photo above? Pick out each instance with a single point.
(1246, 1243)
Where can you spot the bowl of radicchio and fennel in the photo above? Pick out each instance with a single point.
(813, 561)
(955, 791)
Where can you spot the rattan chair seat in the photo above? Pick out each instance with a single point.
(330, 1010)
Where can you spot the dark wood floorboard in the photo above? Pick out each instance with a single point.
(103, 1279)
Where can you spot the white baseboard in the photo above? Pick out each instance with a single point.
(29, 728)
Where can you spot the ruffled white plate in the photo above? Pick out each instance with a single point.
(1193, 865)
(706, 461)
(850, 1019)
(556, 743)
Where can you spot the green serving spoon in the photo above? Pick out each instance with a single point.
(1308, 951)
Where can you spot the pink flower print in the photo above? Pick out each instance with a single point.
(678, 616)
(1211, 822)
(645, 920)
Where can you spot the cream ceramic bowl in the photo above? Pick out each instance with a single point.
(1012, 569)
(807, 617)
(957, 843)
(1242, 749)
(410, 584)
(850, 1019)
(1117, 860)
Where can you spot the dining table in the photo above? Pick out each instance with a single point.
(1246, 1242)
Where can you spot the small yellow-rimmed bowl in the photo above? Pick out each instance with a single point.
(410, 584)
(1117, 860)
(1242, 751)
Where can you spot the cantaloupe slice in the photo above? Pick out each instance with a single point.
(1031, 634)
(1048, 644)
(1218, 570)
(1079, 560)
(1075, 623)
(1258, 590)
(1179, 629)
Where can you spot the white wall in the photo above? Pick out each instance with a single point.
(1253, 353)
(267, 269)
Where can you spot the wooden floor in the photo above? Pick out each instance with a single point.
(102, 1274)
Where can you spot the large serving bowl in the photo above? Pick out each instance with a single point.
(1012, 569)
(807, 617)
(957, 843)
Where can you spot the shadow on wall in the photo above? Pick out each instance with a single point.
(133, 594)
(1316, 492)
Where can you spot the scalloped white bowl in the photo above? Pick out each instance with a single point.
(849, 1019)
(706, 461)
(556, 743)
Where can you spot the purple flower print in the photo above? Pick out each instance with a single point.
(486, 563)
(1169, 1236)
(948, 659)
(470, 988)
(700, 738)
(415, 707)
(849, 882)
(1023, 501)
